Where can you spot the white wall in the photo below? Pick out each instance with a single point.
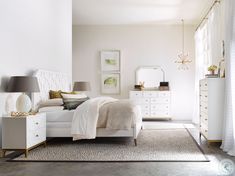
(34, 34)
(140, 46)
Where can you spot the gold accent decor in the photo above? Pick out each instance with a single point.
(183, 59)
(26, 151)
(22, 114)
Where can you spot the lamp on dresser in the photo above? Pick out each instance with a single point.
(24, 84)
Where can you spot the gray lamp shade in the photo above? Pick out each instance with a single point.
(81, 86)
(23, 84)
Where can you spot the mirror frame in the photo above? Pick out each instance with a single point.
(149, 67)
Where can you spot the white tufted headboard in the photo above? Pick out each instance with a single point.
(49, 80)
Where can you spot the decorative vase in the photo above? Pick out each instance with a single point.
(212, 72)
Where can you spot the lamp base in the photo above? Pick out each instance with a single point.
(23, 103)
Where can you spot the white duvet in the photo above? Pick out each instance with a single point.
(86, 116)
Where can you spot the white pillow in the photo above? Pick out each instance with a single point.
(51, 108)
(51, 102)
(73, 96)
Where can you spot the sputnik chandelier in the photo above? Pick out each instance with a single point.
(183, 59)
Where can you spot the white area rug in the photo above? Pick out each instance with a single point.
(153, 145)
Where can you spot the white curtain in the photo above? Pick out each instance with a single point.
(228, 144)
(208, 44)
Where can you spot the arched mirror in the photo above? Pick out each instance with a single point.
(150, 75)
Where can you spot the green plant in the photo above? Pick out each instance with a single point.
(212, 68)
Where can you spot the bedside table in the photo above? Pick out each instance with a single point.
(23, 133)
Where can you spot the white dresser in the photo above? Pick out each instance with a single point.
(23, 133)
(211, 108)
(154, 104)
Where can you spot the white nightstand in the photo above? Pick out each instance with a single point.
(23, 133)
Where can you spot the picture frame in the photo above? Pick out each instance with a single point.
(110, 61)
(110, 83)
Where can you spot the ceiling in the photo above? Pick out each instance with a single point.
(128, 12)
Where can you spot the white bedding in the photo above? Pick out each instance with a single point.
(60, 116)
(85, 118)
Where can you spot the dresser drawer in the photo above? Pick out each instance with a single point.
(204, 120)
(36, 137)
(160, 100)
(145, 100)
(135, 94)
(160, 113)
(203, 84)
(203, 107)
(204, 96)
(145, 107)
(145, 113)
(159, 107)
(149, 94)
(203, 116)
(163, 94)
(204, 131)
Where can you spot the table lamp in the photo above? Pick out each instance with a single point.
(81, 86)
(23, 84)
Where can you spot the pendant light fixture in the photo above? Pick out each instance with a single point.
(183, 59)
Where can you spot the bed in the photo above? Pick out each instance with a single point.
(59, 122)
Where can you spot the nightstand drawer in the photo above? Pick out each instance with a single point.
(36, 137)
(36, 123)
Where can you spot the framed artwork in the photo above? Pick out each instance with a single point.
(110, 83)
(110, 61)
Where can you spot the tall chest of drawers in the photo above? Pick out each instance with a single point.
(154, 104)
(211, 108)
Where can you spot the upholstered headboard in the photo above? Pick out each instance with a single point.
(49, 80)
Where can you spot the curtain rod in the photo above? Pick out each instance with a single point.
(205, 17)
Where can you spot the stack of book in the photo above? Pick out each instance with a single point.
(212, 75)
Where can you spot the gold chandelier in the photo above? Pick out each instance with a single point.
(183, 59)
